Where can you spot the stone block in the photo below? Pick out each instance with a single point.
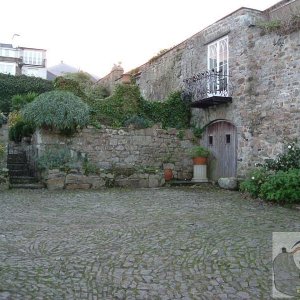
(78, 186)
(228, 183)
(95, 182)
(55, 183)
(154, 181)
(76, 178)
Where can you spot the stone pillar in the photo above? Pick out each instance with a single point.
(200, 172)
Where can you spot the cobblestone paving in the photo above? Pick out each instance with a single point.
(178, 243)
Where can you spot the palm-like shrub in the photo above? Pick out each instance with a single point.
(57, 110)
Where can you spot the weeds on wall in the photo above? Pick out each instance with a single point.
(277, 179)
(281, 27)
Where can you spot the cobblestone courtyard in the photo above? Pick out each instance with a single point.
(178, 243)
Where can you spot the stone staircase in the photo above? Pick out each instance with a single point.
(20, 175)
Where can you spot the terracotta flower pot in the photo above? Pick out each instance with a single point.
(168, 174)
(200, 160)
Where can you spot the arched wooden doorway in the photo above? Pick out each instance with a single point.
(220, 138)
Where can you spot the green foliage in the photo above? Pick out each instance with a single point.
(2, 150)
(173, 112)
(278, 179)
(56, 158)
(96, 92)
(289, 159)
(70, 85)
(119, 107)
(180, 134)
(19, 101)
(270, 26)
(198, 132)
(137, 122)
(282, 187)
(59, 110)
(126, 106)
(19, 130)
(90, 168)
(253, 184)
(199, 151)
(12, 85)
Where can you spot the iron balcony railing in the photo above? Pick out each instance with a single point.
(208, 84)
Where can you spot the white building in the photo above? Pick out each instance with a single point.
(22, 60)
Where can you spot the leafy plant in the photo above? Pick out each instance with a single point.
(198, 132)
(19, 130)
(67, 84)
(56, 158)
(137, 122)
(19, 101)
(289, 159)
(180, 134)
(253, 184)
(59, 110)
(282, 187)
(90, 168)
(199, 151)
(12, 85)
(2, 150)
(13, 118)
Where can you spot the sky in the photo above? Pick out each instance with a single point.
(93, 35)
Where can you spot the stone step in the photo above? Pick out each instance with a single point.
(16, 158)
(32, 186)
(17, 166)
(19, 173)
(23, 180)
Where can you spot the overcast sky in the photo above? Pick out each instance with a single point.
(94, 34)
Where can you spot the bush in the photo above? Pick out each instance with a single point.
(59, 110)
(120, 106)
(12, 85)
(55, 158)
(126, 103)
(278, 179)
(2, 150)
(137, 122)
(253, 184)
(70, 85)
(282, 187)
(289, 159)
(19, 101)
(19, 130)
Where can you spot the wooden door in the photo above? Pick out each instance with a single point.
(220, 138)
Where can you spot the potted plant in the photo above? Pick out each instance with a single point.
(199, 155)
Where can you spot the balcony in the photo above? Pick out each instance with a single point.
(208, 89)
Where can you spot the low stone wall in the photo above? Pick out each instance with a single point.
(75, 179)
(4, 180)
(109, 149)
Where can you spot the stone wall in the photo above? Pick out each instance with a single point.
(264, 70)
(127, 148)
(4, 184)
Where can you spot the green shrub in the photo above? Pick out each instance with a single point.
(119, 107)
(70, 85)
(199, 151)
(2, 150)
(19, 130)
(282, 187)
(12, 85)
(90, 168)
(137, 122)
(59, 110)
(289, 159)
(253, 184)
(19, 101)
(173, 112)
(56, 158)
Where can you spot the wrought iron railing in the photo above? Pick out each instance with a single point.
(207, 84)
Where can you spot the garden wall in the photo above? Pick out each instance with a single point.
(125, 148)
(3, 157)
